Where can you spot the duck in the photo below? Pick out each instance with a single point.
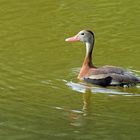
(107, 75)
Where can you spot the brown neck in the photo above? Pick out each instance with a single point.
(88, 58)
(87, 64)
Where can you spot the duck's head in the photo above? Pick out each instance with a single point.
(85, 36)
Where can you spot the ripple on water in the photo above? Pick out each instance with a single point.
(83, 87)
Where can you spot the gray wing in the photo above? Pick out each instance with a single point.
(108, 69)
(118, 75)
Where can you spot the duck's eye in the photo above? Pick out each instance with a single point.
(82, 33)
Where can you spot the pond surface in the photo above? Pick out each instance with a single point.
(40, 97)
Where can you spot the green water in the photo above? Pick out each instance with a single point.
(40, 98)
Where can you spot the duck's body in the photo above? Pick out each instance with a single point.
(106, 75)
(110, 75)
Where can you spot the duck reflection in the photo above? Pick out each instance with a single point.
(86, 102)
(77, 117)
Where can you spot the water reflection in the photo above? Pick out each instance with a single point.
(86, 102)
(76, 118)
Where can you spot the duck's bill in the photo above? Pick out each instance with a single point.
(72, 39)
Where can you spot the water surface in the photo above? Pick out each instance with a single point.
(40, 98)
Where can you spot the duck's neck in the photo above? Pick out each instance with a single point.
(88, 58)
(87, 64)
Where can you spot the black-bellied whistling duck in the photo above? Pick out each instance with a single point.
(103, 76)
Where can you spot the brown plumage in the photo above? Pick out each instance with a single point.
(106, 75)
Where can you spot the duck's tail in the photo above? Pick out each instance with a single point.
(138, 79)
